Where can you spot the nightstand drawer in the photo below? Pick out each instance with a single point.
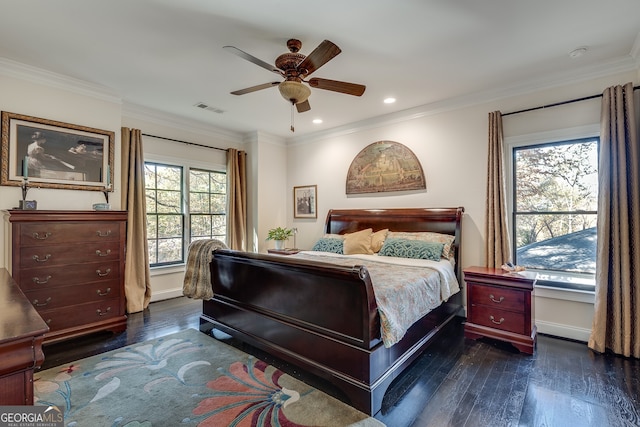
(500, 298)
(498, 319)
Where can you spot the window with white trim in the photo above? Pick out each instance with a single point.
(554, 205)
(183, 204)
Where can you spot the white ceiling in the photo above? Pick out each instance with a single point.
(166, 55)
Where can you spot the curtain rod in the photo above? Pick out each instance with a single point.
(571, 101)
(185, 142)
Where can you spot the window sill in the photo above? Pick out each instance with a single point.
(565, 286)
(167, 269)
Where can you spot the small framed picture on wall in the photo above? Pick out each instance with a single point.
(305, 201)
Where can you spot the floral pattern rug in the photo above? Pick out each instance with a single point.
(189, 379)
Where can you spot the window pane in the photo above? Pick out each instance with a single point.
(169, 177)
(153, 251)
(169, 226)
(169, 202)
(561, 177)
(218, 203)
(199, 202)
(200, 225)
(555, 205)
(207, 200)
(152, 226)
(169, 250)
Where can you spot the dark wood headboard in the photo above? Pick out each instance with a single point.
(437, 220)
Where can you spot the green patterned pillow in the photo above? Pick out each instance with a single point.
(416, 249)
(329, 245)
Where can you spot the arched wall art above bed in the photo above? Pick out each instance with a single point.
(385, 166)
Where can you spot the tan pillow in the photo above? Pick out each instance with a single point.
(358, 242)
(377, 240)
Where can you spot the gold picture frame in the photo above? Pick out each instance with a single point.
(305, 201)
(52, 154)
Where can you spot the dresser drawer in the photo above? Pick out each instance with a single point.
(41, 256)
(65, 275)
(80, 315)
(498, 319)
(39, 233)
(500, 298)
(50, 298)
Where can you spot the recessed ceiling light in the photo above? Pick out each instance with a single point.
(576, 53)
(317, 121)
(389, 100)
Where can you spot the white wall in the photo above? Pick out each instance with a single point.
(452, 147)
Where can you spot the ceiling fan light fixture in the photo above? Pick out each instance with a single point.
(294, 92)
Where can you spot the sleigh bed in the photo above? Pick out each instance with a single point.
(322, 317)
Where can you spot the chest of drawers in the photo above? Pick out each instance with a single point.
(500, 306)
(70, 266)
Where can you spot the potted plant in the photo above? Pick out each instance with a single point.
(279, 234)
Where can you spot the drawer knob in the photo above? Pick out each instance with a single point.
(39, 281)
(493, 319)
(44, 236)
(103, 233)
(101, 274)
(37, 303)
(105, 253)
(103, 313)
(45, 259)
(497, 301)
(104, 293)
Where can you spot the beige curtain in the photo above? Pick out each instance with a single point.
(497, 244)
(237, 199)
(616, 323)
(137, 276)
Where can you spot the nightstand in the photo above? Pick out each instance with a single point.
(500, 306)
(283, 251)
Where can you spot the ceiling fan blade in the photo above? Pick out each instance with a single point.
(303, 106)
(254, 88)
(251, 58)
(320, 56)
(338, 86)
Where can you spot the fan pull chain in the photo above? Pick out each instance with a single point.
(292, 116)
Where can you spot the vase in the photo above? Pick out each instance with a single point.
(279, 244)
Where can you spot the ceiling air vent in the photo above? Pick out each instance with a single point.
(204, 106)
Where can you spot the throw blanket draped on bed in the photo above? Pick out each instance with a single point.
(405, 289)
(197, 276)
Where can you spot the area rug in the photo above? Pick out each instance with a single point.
(186, 379)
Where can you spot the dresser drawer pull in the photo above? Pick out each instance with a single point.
(45, 236)
(39, 281)
(497, 301)
(103, 234)
(105, 253)
(493, 319)
(102, 294)
(45, 259)
(103, 313)
(48, 321)
(101, 274)
(41, 304)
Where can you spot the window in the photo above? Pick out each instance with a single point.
(207, 205)
(173, 220)
(165, 220)
(555, 192)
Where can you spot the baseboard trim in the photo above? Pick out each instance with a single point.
(563, 331)
(168, 294)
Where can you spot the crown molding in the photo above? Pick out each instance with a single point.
(617, 66)
(139, 112)
(17, 70)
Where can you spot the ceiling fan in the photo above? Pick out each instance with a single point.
(295, 68)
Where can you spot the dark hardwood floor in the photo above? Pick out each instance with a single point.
(456, 382)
